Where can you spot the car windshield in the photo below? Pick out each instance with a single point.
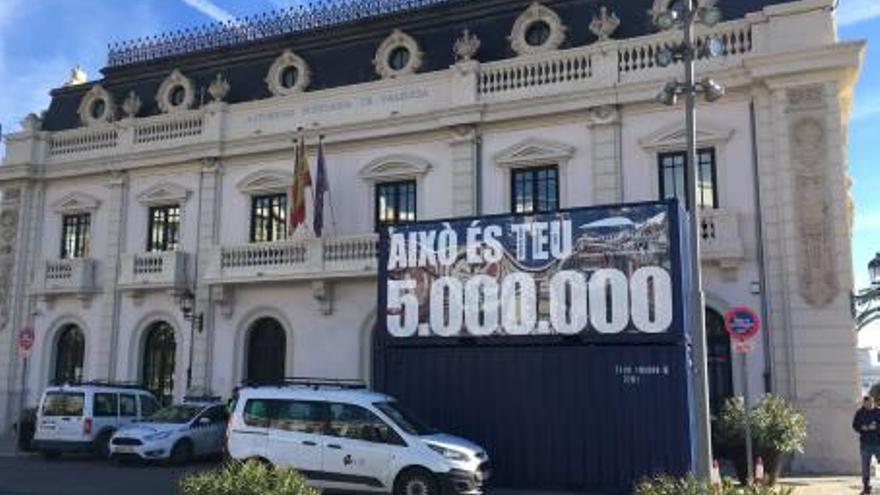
(175, 414)
(405, 419)
(63, 404)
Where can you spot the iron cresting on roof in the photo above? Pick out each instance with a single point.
(315, 15)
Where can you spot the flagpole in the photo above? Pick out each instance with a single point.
(329, 189)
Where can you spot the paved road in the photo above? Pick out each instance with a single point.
(33, 475)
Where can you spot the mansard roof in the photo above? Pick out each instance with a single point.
(340, 49)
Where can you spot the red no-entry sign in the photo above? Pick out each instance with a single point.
(26, 339)
(742, 323)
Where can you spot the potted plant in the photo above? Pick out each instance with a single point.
(779, 430)
(246, 478)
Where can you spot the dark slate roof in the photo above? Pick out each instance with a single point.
(342, 54)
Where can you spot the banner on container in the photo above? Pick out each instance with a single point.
(597, 272)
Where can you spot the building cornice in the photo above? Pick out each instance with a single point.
(260, 127)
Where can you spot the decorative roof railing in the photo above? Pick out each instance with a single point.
(316, 14)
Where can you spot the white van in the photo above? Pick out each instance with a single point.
(348, 438)
(83, 417)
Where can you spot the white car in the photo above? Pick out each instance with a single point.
(83, 417)
(177, 433)
(344, 438)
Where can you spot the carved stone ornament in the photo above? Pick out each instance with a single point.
(537, 13)
(164, 193)
(322, 290)
(219, 88)
(818, 271)
(466, 47)
(31, 123)
(170, 87)
(661, 6)
(77, 76)
(604, 25)
(603, 115)
(132, 105)
(8, 235)
(286, 60)
(96, 106)
(397, 40)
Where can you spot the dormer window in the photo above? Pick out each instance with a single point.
(96, 106)
(537, 33)
(538, 29)
(178, 95)
(99, 107)
(398, 58)
(289, 76)
(398, 55)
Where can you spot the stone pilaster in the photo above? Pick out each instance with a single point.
(463, 145)
(808, 245)
(19, 231)
(108, 347)
(208, 230)
(605, 160)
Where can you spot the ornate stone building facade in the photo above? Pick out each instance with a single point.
(169, 177)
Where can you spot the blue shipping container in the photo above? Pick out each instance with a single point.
(571, 384)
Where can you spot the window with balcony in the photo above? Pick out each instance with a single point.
(269, 218)
(163, 229)
(395, 203)
(75, 235)
(534, 190)
(673, 177)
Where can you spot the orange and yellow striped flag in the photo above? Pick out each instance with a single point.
(302, 179)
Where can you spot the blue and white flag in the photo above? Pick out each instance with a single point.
(321, 187)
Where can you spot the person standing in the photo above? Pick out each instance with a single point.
(867, 424)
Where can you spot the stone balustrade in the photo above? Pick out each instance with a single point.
(599, 65)
(306, 259)
(720, 239)
(535, 71)
(65, 276)
(165, 270)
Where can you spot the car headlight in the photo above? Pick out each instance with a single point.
(451, 454)
(158, 436)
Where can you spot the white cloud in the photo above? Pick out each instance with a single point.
(851, 12)
(211, 10)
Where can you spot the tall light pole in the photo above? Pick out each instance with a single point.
(685, 17)
(866, 303)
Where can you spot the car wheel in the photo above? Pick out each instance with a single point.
(181, 453)
(416, 482)
(101, 445)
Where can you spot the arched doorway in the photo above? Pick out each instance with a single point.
(266, 352)
(69, 355)
(158, 363)
(719, 361)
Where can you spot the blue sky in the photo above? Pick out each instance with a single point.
(41, 40)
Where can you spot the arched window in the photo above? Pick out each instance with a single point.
(158, 371)
(720, 369)
(266, 349)
(69, 355)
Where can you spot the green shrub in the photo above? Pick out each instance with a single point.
(668, 485)
(246, 478)
(778, 425)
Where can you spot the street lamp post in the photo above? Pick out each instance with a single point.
(865, 306)
(187, 307)
(685, 17)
